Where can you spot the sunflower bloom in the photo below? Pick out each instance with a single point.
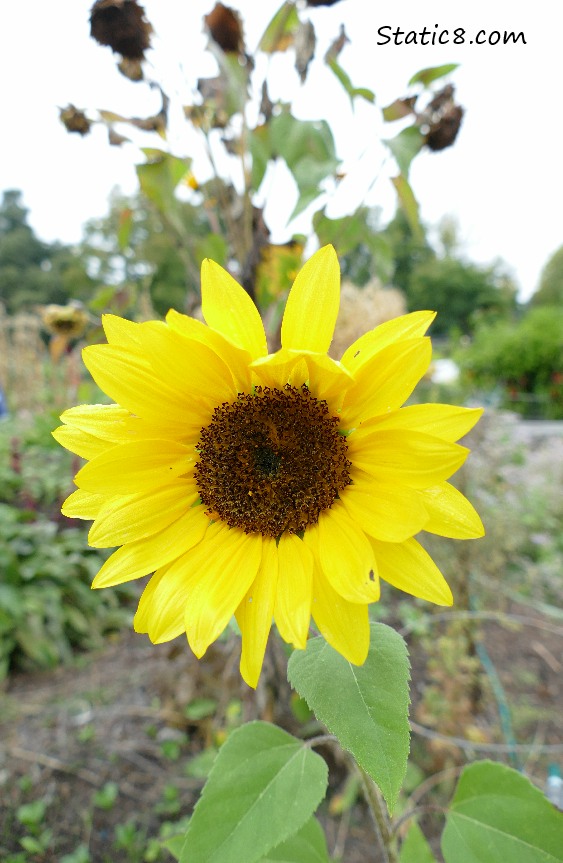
(276, 486)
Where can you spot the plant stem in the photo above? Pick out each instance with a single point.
(380, 817)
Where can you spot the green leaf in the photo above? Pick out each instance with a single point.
(261, 152)
(415, 848)
(174, 846)
(374, 725)
(409, 204)
(160, 175)
(405, 146)
(307, 146)
(497, 814)
(426, 76)
(263, 787)
(307, 846)
(279, 35)
(344, 79)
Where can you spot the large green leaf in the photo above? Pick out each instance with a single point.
(498, 815)
(307, 846)
(426, 76)
(307, 146)
(405, 146)
(366, 706)
(415, 848)
(263, 787)
(160, 175)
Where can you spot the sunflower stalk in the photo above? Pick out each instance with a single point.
(378, 811)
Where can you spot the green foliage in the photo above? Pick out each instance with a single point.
(47, 608)
(263, 788)
(524, 360)
(460, 292)
(550, 289)
(415, 848)
(497, 814)
(374, 726)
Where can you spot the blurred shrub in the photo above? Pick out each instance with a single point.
(47, 608)
(522, 362)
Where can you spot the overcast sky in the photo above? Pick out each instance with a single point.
(502, 179)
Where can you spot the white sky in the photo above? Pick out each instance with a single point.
(502, 179)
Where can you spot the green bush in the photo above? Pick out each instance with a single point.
(522, 362)
(47, 608)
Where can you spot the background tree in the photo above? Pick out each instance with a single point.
(33, 272)
(550, 289)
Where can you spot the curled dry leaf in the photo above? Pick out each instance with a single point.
(75, 120)
(305, 42)
(122, 25)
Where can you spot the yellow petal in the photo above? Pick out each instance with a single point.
(129, 518)
(161, 607)
(345, 625)
(131, 381)
(227, 307)
(450, 513)
(281, 368)
(83, 504)
(312, 305)
(294, 592)
(136, 559)
(367, 346)
(444, 421)
(83, 444)
(344, 555)
(189, 367)
(385, 383)
(405, 457)
(127, 468)
(386, 510)
(113, 423)
(225, 565)
(409, 567)
(236, 359)
(120, 331)
(254, 614)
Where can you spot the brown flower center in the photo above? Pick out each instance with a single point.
(271, 461)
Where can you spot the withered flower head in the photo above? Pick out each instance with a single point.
(75, 120)
(443, 133)
(225, 28)
(122, 25)
(69, 321)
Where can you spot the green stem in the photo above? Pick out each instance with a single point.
(380, 817)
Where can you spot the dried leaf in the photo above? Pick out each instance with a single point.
(337, 46)
(115, 139)
(122, 25)
(399, 108)
(305, 42)
(75, 120)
